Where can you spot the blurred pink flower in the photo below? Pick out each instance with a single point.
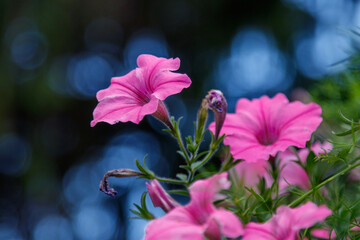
(324, 233)
(287, 222)
(141, 91)
(291, 173)
(262, 127)
(160, 197)
(251, 172)
(200, 218)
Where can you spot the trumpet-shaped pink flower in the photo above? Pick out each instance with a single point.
(287, 222)
(160, 197)
(200, 218)
(291, 173)
(262, 127)
(141, 91)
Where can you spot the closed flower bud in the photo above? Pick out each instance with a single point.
(160, 197)
(217, 103)
(201, 120)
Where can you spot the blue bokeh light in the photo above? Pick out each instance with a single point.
(29, 50)
(93, 222)
(144, 42)
(10, 232)
(53, 227)
(323, 52)
(326, 11)
(81, 182)
(136, 227)
(88, 73)
(254, 66)
(15, 154)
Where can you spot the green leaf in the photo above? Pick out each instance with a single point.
(195, 165)
(179, 192)
(181, 154)
(181, 176)
(141, 168)
(185, 167)
(345, 119)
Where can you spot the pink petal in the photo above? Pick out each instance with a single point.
(224, 222)
(259, 231)
(162, 229)
(287, 222)
(206, 190)
(297, 122)
(308, 214)
(293, 174)
(122, 109)
(169, 83)
(323, 233)
(203, 193)
(159, 79)
(251, 173)
(128, 85)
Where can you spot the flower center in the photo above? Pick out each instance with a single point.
(267, 136)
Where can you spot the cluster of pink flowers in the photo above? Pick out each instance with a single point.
(259, 133)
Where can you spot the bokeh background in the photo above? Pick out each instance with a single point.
(56, 54)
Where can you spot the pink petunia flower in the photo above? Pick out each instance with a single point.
(199, 218)
(160, 197)
(291, 173)
(287, 222)
(141, 92)
(262, 127)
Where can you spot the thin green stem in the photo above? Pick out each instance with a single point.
(305, 195)
(177, 135)
(202, 163)
(206, 158)
(170, 180)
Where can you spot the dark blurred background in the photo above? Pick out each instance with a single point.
(56, 54)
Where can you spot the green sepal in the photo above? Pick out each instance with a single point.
(142, 211)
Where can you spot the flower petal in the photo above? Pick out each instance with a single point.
(251, 173)
(122, 109)
(293, 174)
(308, 214)
(164, 229)
(157, 75)
(298, 121)
(224, 222)
(259, 231)
(128, 86)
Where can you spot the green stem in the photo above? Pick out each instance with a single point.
(170, 180)
(177, 135)
(305, 195)
(202, 163)
(206, 158)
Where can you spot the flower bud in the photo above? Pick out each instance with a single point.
(104, 184)
(201, 120)
(217, 103)
(160, 197)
